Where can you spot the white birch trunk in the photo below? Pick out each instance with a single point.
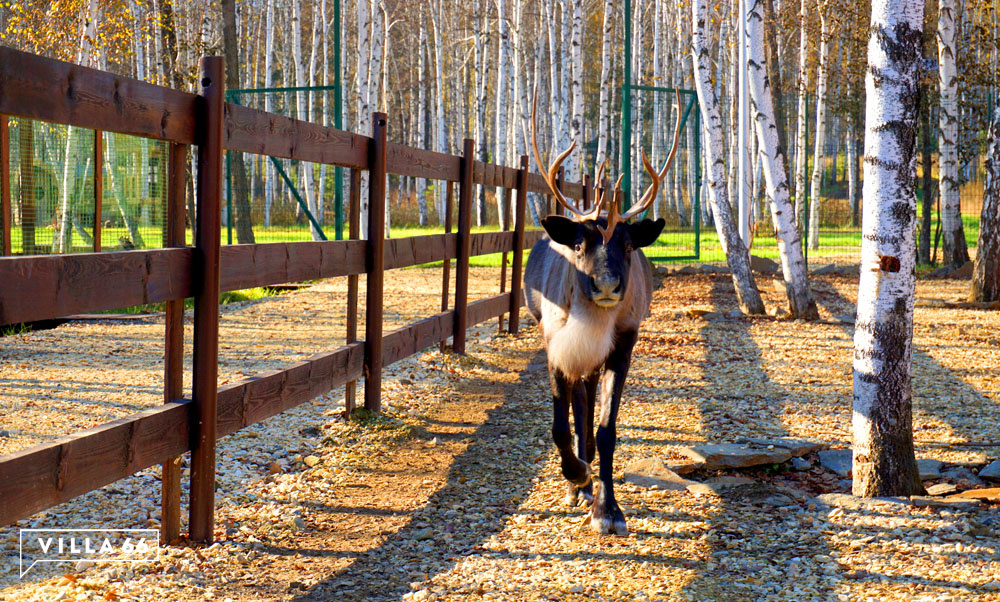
(793, 266)
(500, 128)
(574, 166)
(658, 117)
(302, 110)
(737, 254)
(364, 110)
(440, 134)
(985, 284)
(819, 143)
(800, 131)
(479, 67)
(421, 112)
(605, 88)
(884, 463)
(565, 75)
(63, 237)
(269, 175)
(952, 234)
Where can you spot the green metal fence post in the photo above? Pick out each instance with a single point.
(338, 122)
(626, 158)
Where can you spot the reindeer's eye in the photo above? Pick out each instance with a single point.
(629, 248)
(578, 247)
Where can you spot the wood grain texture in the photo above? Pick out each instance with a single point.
(408, 161)
(416, 337)
(247, 266)
(490, 307)
(42, 476)
(35, 87)
(375, 263)
(253, 131)
(416, 250)
(465, 191)
(484, 243)
(52, 286)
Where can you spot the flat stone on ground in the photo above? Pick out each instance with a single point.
(650, 472)
(837, 460)
(797, 446)
(990, 495)
(941, 489)
(731, 455)
(729, 481)
(929, 469)
(991, 471)
(952, 502)
(763, 265)
(849, 502)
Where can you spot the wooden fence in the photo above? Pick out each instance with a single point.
(43, 287)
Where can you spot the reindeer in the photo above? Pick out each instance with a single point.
(589, 287)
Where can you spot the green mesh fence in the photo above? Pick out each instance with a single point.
(678, 201)
(53, 202)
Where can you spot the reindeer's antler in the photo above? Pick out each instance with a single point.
(614, 217)
(550, 176)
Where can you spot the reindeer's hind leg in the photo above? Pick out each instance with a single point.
(576, 471)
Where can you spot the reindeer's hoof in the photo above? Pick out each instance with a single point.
(576, 496)
(577, 472)
(607, 518)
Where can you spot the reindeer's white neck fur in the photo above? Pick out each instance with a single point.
(579, 338)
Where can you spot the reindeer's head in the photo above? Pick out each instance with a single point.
(601, 239)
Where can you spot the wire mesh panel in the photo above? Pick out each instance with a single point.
(134, 203)
(654, 115)
(279, 200)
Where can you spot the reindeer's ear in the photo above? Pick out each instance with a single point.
(645, 232)
(562, 229)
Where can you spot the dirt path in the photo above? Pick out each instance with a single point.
(456, 494)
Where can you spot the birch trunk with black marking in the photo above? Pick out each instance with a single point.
(574, 162)
(605, 98)
(421, 112)
(986, 275)
(884, 462)
(240, 182)
(793, 265)
(440, 131)
(801, 152)
(737, 254)
(952, 233)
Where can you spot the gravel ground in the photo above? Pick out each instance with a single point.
(456, 492)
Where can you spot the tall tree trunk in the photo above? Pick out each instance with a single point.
(302, 112)
(269, 175)
(801, 152)
(440, 134)
(364, 110)
(927, 202)
(800, 302)
(819, 143)
(603, 107)
(574, 165)
(240, 183)
(986, 275)
(421, 111)
(771, 46)
(737, 254)
(955, 251)
(884, 462)
(853, 180)
(500, 127)
(479, 67)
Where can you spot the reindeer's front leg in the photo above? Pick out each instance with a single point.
(564, 391)
(606, 516)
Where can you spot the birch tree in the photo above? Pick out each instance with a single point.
(302, 110)
(574, 168)
(239, 181)
(819, 141)
(793, 266)
(737, 255)
(952, 233)
(800, 131)
(421, 112)
(503, 59)
(884, 462)
(604, 101)
(986, 274)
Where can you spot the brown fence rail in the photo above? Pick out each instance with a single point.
(43, 287)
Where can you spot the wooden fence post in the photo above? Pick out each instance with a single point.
(99, 189)
(504, 227)
(449, 193)
(516, 268)
(464, 244)
(375, 263)
(206, 301)
(173, 367)
(588, 194)
(5, 217)
(353, 231)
